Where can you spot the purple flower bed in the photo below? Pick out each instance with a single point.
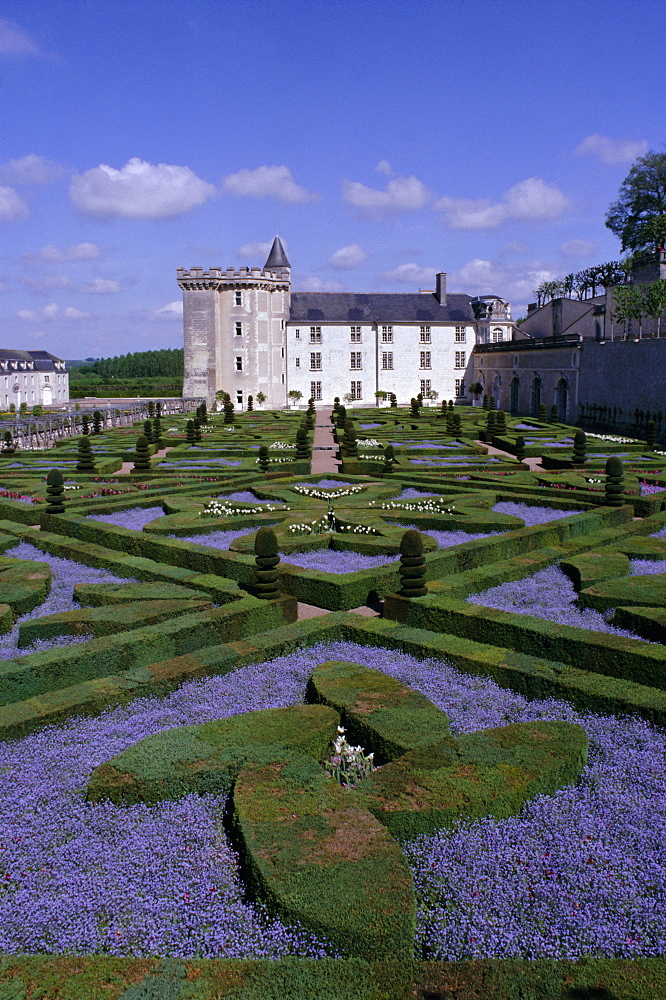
(409, 493)
(331, 561)
(326, 484)
(580, 872)
(369, 427)
(450, 461)
(659, 534)
(246, 496)
(647, 567)
(446, 539)
(646, 489)
(532, 515)
(216, 539)
(135, 517)
(64, 574)
(526, 427)
(548, 594)
(204, 463)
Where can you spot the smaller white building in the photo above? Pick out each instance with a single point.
(32, 377)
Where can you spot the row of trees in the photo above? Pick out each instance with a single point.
(634, 302)
(143, 364)
(584, 283)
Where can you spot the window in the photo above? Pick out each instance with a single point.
(239, 396)
(425, 386)
(315, 335)
(460, 387)
(425, 334)
(315, 362)
(239, 329)
(498, 334)
(355, 390)
(315, 390)
(460, 359)
(460, 335)
(298, 362)
(298, 335)
(46, 378)
(238, 299)
(355, 359)
(387, 335)
(239, 364)
(425, 359)
(282, 378)
(355, 333)
(387, 361)
(282, 351)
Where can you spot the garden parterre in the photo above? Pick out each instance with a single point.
(130, 870)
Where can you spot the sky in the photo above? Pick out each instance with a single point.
(383, 140)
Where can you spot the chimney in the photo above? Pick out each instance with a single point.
(440, 288)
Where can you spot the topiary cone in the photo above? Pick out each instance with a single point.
(614, 482)
(266, 560)
(457, 425)
(520, 448)
(389, 459)
(263, 458)
(302, 450)
(85, 460)
(351, 443)
(412, 565)
(55, 492)
(141, 455)
(500, 425)
(650, 435)
(148, 431)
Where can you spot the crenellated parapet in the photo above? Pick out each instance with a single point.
(218, 279)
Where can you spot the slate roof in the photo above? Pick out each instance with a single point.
(43, 361)
(277, 257)
(381, 307)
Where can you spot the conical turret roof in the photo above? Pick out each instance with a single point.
(277, 257)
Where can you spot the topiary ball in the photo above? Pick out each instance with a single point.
(411, 544)
(265, 543)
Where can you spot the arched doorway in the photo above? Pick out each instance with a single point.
(497, 389)
(562, 399)
(515, 389)
(47, 395)
(536, 396)
(17, 395)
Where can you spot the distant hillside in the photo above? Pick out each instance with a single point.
(145, 373)
(143, 364)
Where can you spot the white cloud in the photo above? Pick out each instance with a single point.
(267, 182)
(515, 282)
(31, 169)
(401, 194)
(611, 150)
(14, 41)
(412, 274)
(80, 251)
(384, 167)
(100, 286)
(12, 206)
(317, 285)
(254, 251)
(578, 248)
(531, 200)
(52, 311)
(347, 257)
(172, 310)
(139, 190)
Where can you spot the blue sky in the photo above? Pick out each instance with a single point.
(383, 140)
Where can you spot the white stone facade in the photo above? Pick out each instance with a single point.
(33, 378)
(246, 332)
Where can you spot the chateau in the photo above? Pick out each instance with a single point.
(32, 377)
(246, 332)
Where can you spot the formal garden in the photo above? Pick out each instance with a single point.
(391, 730)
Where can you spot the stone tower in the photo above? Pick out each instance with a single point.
(234, 330)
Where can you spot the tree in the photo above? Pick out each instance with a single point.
(655, 301)
(642, 200)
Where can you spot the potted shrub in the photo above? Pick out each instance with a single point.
(295, 395)
(260, 398)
